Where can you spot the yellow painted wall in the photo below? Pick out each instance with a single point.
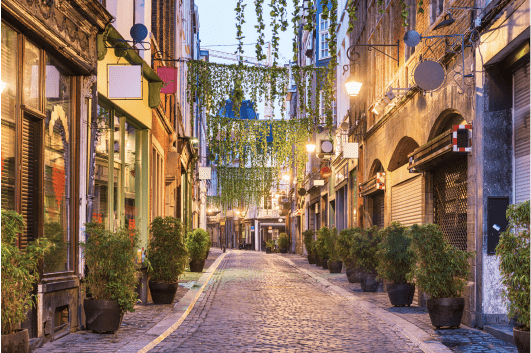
(138, 109)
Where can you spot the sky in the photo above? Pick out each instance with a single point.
(217, 26)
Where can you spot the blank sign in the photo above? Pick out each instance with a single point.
(125, 81)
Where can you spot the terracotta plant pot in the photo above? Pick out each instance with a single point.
(401, 294)
(163, 293)
(335, 266)
(17, 342)
(446, 311)
(317, 261)
(311, 259)
(197, 265)
(521, 339)
(354, 274)
(102, 315)
(369, 282)
(324, 264)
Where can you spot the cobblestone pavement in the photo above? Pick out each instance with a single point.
(133, 324)
(259, 303)
(464, 339)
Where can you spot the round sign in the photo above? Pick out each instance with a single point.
(270, 228)
(412, 38)
(302, 192)
(344, 126)
(138, 32)
(327, 146)
(429, 75)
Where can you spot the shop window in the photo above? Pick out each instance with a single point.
(31, 86)
(157, 170)
(60, 318)
(101, 173)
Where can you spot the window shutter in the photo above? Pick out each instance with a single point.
(29, 184)
(521, 134)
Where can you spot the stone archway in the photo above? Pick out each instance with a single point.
(405, 146)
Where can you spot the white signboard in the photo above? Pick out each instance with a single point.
(318, 182)
(350, 150)
(205, 173)
(125, 81)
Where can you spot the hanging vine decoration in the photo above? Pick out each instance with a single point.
(404, 12)
(295, 20)
(329, 94)
(240, 20)
(260, 28)
(351, 10)
(309, 24)
(421, 6)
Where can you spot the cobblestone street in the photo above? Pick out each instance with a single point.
(270, 303)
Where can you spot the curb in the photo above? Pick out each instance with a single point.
(176, 317)
(503, 332)
(419, 337)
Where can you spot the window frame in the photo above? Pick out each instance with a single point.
(323, 36)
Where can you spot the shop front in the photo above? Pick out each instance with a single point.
(46, 80)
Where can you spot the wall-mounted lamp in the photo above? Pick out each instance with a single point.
(448, 20)
(310, 146)
(353, 86)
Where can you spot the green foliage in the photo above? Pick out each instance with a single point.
(395, 254)
(351, 9)
(112, 270)
(330, 241)
(420, 6)
(270, 244)
(344, 242)
(308, 241)
(283, 241)
(441, 269)
(166, 251)
(513, 252)
(404, 12)
(258, 6)
(19, 271)
(321, 243)
(55, 260)
(240, 10)
(198, 244)
(365, 247)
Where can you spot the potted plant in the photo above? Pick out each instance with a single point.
(198, 245)
(396, 261)
(19, 273)
(112, 276)
(441, 271)
(283, 243)
(364, 249)
(513, 252)
(334, 261)
(167, 255)
(343, 247)
(320, 245)
(308, 242)
(270, 245)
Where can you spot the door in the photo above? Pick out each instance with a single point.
(406, 205)
(521, 133)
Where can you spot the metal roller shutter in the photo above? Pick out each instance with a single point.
(521, 134)
(406, 202)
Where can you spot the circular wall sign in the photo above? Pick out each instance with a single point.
(302, 192)
(412, 38)
(429, 75)
(327, 146)
(138, 32)
(326, 172)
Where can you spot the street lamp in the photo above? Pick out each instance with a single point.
(353, 86)
(286, 177)
(310, 147)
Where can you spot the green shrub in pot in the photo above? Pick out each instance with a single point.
(513, 252)
(320, 243)
(308, 241)
(344, 243)
(365, 247)
(19, 271)
(330, 241)
(395, 255)
(441, 271)
(198, 244)
(111, 260)
(166, 251)
(283, 241)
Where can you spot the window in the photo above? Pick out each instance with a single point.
(268, 203)
(322, 109)
(157, 170)
(323, 37)
(436, 8)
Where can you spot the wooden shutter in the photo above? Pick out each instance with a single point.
(521, 134)
(29, 179)
(406, 202)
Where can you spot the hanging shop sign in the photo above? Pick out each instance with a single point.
(326, 147)
(124, 81)
(380, 181)
(205, 173)
(350, 150)
(318, 182)
(326, 172)
(462, 138)
(169, 76)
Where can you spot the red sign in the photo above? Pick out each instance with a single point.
(169, 76)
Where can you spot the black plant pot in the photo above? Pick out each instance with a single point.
(268, 250)
(311, 259)
(324, 264)
(401, 294)
(446, 311)
(102, 315)
(335, 266)
(163, 293)
(354, 274)
(17, 342)
(317, 261)
(283, 250)
(369, 282)
(521, 339)
(197, 265)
